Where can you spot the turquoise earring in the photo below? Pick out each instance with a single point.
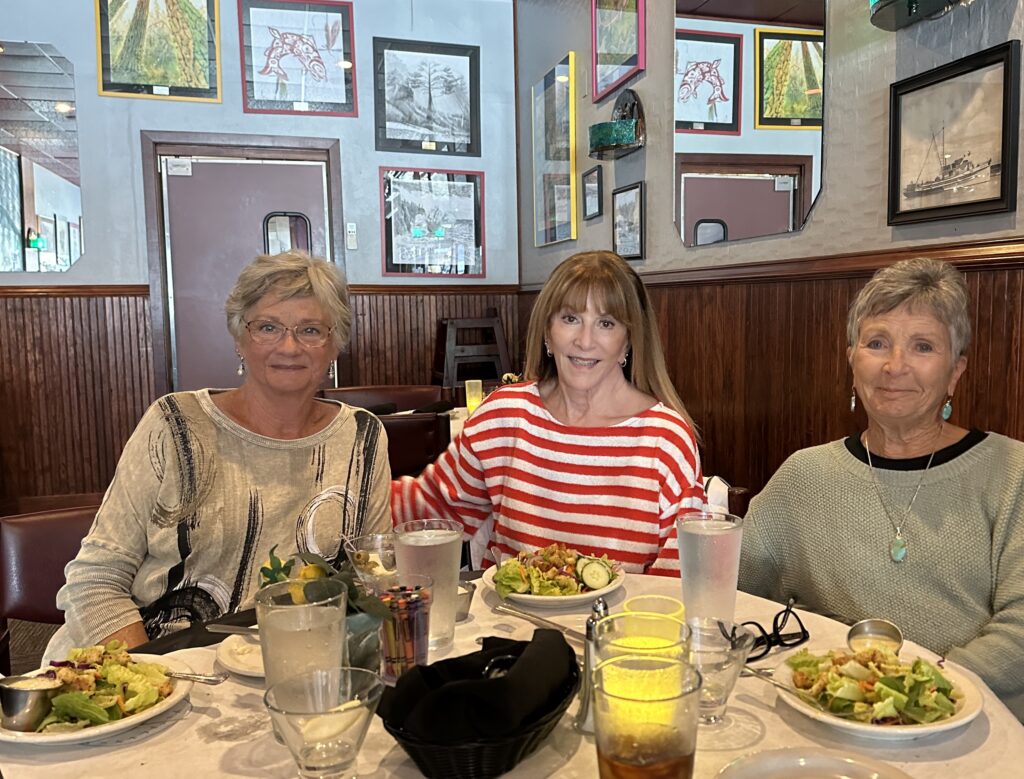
(947, 409)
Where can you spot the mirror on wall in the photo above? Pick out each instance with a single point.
(748, 96)
(40, 198)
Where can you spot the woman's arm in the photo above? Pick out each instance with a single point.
(682, 491)
(134, 635)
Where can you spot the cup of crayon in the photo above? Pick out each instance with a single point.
(405, 638)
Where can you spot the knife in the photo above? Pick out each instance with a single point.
(243, 630)
(575, 635)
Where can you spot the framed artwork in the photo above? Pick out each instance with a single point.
(48, 232)
(167, 49)
(81, 234)
(63, 241)
(628, 221)
(554, 154)
(593, 192)
(426, 97)
(708, 82)
(297, 57)
(953, 138)
(790, 70)
(617, 45)
(433, 222)
(75, 242)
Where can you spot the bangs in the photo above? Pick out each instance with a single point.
(604, 292)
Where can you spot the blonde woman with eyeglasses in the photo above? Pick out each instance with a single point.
(212, 480)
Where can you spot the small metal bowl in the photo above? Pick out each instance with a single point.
(24, 709)
(880, 632)
(463, 600)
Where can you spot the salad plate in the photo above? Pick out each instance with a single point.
(967, 709)
(808, 763)
(241, 655)
(99, 732)
(555, 601)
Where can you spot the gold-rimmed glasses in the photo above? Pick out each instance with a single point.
(267, 332)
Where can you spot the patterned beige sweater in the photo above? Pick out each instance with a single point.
(196, 505)
(818, 532)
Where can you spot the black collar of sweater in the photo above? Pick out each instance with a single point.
(942, 456)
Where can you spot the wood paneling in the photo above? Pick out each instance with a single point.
(75, 378)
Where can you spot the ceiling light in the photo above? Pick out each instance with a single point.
(563, 79)
(344, 64)
(1, 48)
(63, 108)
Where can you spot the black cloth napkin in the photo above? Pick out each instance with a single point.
(437, 407)
(196, 635)
(450, 702)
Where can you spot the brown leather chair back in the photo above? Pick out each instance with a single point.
(415, 441)
(34, 548)
(405, 397)
(35, 503)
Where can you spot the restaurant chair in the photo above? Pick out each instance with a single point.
(34, 548)
(33, 503)
(415, 441)
(470, 349)
(402, 397)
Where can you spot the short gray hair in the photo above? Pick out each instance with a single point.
(292, 274)
(932, 285)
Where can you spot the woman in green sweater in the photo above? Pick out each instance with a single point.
(916, 519)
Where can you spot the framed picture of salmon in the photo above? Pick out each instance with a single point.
(297, 57)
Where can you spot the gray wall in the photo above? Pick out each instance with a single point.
(850, 213)
(109, 145)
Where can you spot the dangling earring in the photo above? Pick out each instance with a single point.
(625, 359)
(853, 400)
(330, 371)
(547, 348)
(241, 365)
(947, 408)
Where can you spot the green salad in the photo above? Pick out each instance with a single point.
(100, 684)
(874, 686)
(554, 571)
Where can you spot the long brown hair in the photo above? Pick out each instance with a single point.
(617, 290)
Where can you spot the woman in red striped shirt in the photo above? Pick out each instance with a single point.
(595, 450)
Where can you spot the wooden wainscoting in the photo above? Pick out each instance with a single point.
(75, 377)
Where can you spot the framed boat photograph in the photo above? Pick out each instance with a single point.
(593, 193)
(617, 44)
(433, 222)
(953, 138)
(628, 221)
(426, 97)
(708, 82)
(554, 154)
(790, 77)
(162, 49)
(297, 57)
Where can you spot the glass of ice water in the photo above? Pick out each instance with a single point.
(323, 717)
(432, 547)
(709, 562)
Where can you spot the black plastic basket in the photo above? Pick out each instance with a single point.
(487, 757)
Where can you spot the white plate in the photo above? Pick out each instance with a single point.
(241, 655)
(969, 708)
(554, 601)
(808, 763)
(98, 732)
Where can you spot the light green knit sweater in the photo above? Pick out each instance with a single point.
(818, 532)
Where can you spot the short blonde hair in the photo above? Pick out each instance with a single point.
(292, 274)
(617, 290)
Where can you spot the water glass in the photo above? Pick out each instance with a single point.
(709, 562)
(323, 717)
(656, 604)
(404, 639)
(629, 633)
(373, 558)
(302, 626)
(474, 394)
(719, 651)
(433, 547)
(645, 717)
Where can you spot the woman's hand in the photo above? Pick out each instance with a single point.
(133, 635)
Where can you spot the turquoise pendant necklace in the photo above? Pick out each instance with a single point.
(898, 547)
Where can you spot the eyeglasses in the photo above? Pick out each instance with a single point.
(765, 640)
(267, 333)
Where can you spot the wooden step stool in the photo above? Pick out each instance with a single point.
(470, 349)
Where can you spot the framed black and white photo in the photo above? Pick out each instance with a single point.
(297, 57)
(953, 138)
(628, 221)
(433, 222)
(426, 97)
(63, 241)
(593, 192)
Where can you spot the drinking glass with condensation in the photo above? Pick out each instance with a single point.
(433, 547)
(474, 394)
(709, 563)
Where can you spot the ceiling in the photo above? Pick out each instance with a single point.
(34, 77)
(786, 12)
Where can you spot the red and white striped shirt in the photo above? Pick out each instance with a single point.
(527, 480)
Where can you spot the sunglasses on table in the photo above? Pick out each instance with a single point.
(778, 637)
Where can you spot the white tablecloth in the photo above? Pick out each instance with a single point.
(225, 731)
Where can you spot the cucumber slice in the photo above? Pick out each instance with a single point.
(582, 563)
(596, 575)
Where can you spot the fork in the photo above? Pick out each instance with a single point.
(763, 675)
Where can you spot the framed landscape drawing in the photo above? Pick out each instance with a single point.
(158, 49)
(953, 137)
(790, 71)
(297, 57)
(433, 222)
(554, 154)
(628, 221)
(426, 97)
(617, 44)
(708, 82)
(593, 192)
(63, 241)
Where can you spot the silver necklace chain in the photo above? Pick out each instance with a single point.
(898, 547)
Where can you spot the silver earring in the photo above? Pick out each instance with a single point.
(241, 366)
(330, 371)
(624, 360)
(853, 401)
(547, 348)
(947, 409)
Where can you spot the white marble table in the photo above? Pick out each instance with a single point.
(224, 730)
